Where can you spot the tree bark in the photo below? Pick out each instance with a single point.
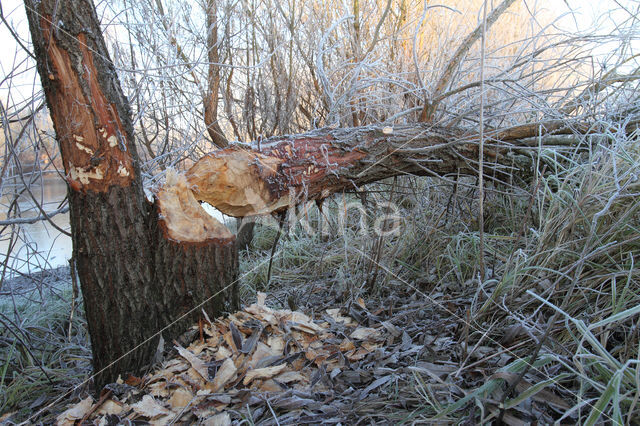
(213, 78)
(137, 275)
(246, 180)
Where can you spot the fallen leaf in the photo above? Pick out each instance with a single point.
(149, 407)
(225, 374)
(222, 419)
(236, 336)
(195, 362)
(158, 389)
(263, 313)
(364, 333)
(335, 315)
(377, 383)
(262, 351)
(76, 412)
(356, 354)
(110, 407)
(197, 347)
(307, 327)
(291, 376)
(263, 373)
(133, 380)
(391, 329)
(277, 344)
(223, 353)
(347, 345)
(181, 397)
(162, 421)
(270, 386)
(370, 346)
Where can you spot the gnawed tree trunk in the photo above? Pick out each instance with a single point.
(138, 274)
(252, 180)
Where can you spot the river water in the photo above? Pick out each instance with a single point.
(39, 245)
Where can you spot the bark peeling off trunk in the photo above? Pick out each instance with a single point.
(242, 181)
(92, 137)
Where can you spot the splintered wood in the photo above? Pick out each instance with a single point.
(258, 354)
(92, 138)
(182, 216)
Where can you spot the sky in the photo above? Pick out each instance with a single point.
(18, 77)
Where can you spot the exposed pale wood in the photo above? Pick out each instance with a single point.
(245, 180)
(92, 137)
(183, 217)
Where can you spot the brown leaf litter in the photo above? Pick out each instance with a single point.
(259, 354)
(403, 363)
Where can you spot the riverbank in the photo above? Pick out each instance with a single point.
(49, 279)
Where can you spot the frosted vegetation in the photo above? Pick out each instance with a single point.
(540, 266)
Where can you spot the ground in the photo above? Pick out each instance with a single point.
(420, 363)
(438, 346)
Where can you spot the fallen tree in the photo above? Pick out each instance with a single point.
(270, 176)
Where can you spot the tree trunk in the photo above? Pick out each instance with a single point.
(138, 276)
(213, 78)
(251, 180)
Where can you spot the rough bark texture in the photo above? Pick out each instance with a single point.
(213, 78)
(112, 249)
(135, 276)
(250, 180)
(195, 258)
(194, 276)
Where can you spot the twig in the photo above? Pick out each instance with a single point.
(281, 217)
(30, 220)
(481, 148)
(74, 294)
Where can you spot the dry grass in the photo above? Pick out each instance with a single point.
(568, 243)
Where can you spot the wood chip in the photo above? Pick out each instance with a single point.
(263, 373)
(76, 412)
(225, 374)
(149, 407)
(364, 333)
(221, 419)
(181, 397)
(196, 363)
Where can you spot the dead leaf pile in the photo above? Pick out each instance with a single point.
(272, 361)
